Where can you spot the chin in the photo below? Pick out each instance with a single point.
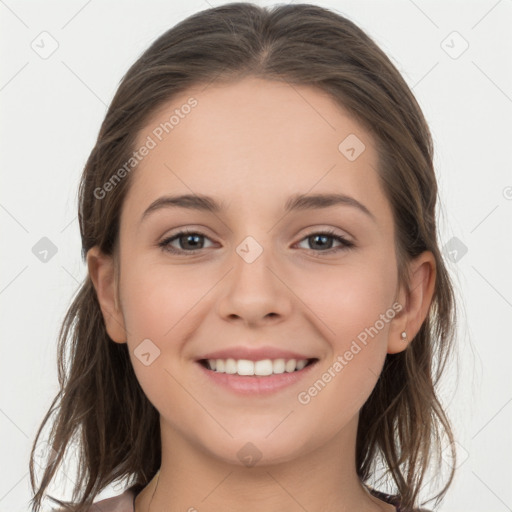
(252, 448)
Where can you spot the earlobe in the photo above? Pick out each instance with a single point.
(102, 272)
(416, 302)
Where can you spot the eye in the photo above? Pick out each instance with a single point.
(321, 240)
(189, 241)
(192, 241)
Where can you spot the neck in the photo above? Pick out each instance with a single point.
(323, 479)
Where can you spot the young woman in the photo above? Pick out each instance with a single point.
(266, 310)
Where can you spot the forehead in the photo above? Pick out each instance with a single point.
(252, 139)
(247, 113)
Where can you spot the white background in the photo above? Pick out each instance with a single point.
(51, 111)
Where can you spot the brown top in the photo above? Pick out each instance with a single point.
(125, 502)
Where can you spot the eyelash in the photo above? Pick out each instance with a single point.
(346, 244)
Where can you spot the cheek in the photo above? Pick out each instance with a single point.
(163, 304)
(355, 305)
(157, 298)
(350, 298)
(358, 348)
(157, 303)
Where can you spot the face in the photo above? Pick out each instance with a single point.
(317, 280)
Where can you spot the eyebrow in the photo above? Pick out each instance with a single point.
(298, 202)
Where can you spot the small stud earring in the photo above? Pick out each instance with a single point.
(404, 335)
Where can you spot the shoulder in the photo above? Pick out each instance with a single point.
(121, 503)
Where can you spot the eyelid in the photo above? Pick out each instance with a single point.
(334, 231)
(331, 233)
(164, 244)
(308, 231)
(346, 243)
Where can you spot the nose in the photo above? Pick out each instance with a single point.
(255, 292)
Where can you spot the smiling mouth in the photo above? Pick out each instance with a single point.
(262, 368)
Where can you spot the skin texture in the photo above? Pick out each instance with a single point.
(251, 144)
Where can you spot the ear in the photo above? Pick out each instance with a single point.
(102, 272)
(415, 302)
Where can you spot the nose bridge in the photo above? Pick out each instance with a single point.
(254, 291)
(252, 262)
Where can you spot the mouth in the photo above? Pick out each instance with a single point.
(255, 378)
(261, 368)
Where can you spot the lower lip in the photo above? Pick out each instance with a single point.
(254, 384)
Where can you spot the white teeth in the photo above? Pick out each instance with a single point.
(290, 365)
(301, 364)
(245, 367)
(230, 366)
(278, 366)
(262, 367)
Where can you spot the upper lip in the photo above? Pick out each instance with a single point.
(253, 354)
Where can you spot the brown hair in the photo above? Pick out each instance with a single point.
(100, 400)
